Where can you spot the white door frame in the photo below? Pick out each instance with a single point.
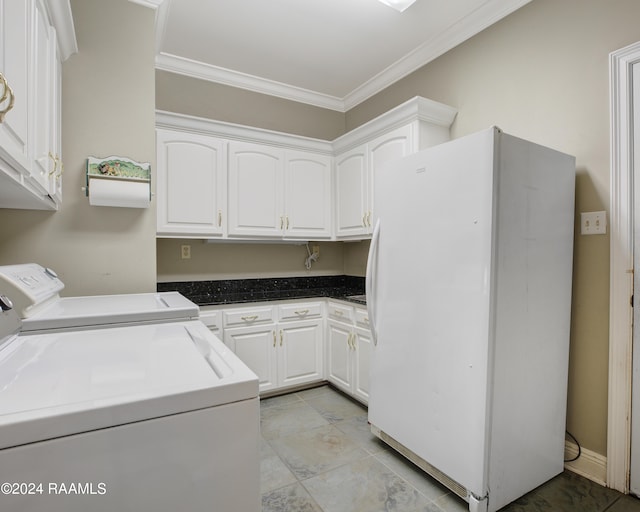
(621, 267)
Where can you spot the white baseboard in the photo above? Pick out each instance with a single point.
(590, 464)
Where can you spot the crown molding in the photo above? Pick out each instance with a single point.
(62, 20)
(483, 17)
(486, 15)
(195, 69)
(415, 109)
(232, 131)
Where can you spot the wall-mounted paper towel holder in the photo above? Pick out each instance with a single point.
(118, 181)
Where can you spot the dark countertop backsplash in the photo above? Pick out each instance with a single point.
(234, 291)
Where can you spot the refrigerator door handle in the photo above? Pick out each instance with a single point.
(369, 282)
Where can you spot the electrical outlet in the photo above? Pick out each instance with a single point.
(315, 249)
(593, 223)
(185, 252)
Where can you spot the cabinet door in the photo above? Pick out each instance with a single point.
(339, 355)
(395, 144)
(255, 190)
(362, 355)
(307, 195)
(190, 184)
(55, 175)
(43, 38)
(257, 348)
(352, 182)
(15, 28)
(300, 352)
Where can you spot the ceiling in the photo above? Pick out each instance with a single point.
(329, 53)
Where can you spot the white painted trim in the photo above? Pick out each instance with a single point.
(151, 4)
(590, 465)
(621, 263)
(415, 109)
(465, 28)
(62, 20)
(484, 16)
(195, 69)
(231, 131)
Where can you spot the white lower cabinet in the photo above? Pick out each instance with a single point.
(348, 350)
(288, 345)
(281, 353)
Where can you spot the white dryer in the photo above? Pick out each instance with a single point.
(35, 293)
(154, 417)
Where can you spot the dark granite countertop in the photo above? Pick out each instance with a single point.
(235, 291)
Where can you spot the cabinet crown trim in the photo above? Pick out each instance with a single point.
(62, 19)
(237, 132)
(415, 109)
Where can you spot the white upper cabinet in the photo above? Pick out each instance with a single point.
(35, 37)
(287, 187)
(191, 182)
(355, 172)
(255, 190)
(352, 192)
(307, 198)
(15, 20)
(278, 193)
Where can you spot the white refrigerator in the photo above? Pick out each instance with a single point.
(469, 296)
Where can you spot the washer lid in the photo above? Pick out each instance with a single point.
(95, 310)
(58, 384)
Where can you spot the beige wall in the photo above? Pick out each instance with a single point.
(108, 108)
(542, 74)
(176, 93)
(217, 260)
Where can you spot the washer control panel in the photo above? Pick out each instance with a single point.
(29, 286)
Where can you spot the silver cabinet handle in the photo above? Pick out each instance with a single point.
(281, 221)
(249, 318)
(287, 217)
(364, 219)
(338, 313)
(301, 312)
(274, 338)
(281, 338)
(369, 218)
(219, 218)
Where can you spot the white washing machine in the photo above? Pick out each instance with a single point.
(35, 293)
(145, 418)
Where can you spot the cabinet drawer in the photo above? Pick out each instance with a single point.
(362, 317)
(340, 312)
(300, 311)
(212, 319)
(247, 316)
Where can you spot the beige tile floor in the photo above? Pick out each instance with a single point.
(318, 455)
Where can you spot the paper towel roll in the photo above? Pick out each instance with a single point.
(127, 194)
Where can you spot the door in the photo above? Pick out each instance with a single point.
(339, 355)
(14, 66)
(634, 483)
(308, 202)
(257, 348)
(352, 197)
(191, 184)
(255, 199)
(362, 355)
(299, 352)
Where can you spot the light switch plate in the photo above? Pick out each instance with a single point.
(593, 223)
